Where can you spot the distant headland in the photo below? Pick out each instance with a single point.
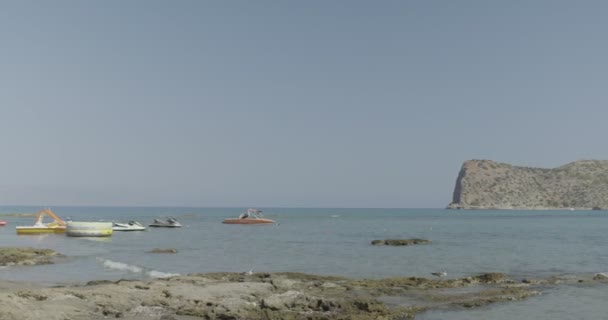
(486, 184)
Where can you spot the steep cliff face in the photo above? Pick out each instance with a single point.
(485, 184)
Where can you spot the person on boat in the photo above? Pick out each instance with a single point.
(244, 215)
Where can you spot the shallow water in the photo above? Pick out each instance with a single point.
(568, 302)
(337, 242)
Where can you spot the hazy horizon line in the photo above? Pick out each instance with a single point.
(185, 206)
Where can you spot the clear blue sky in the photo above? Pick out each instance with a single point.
(291, 103)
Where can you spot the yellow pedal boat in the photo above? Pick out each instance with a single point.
(39, 227)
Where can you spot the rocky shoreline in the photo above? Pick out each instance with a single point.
(256, 296)
(263, 296)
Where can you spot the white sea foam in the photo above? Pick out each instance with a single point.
(135, 269)
(121, 266)
(97, 239)
(159, 274)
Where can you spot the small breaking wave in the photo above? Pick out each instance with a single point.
(120, 266)
(115, 265)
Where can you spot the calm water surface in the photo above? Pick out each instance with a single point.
(337, 242)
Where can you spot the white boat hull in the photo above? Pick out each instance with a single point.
(115, 228)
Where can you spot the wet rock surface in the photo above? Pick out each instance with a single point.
(10, 256)
(399, 242)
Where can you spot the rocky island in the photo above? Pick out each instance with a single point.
(486, 184)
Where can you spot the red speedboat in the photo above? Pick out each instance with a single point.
(253, 216)
(247, 221)
(2, 223)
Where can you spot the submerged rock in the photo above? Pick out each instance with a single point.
(399, 242)
(158, 250)
(10, 256)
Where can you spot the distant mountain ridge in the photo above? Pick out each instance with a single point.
(486, 184)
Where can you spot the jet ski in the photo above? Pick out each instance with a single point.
(169, 223)
(129, 226)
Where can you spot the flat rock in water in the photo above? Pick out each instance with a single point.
(399, 242)
(158, 250)
(10, 256)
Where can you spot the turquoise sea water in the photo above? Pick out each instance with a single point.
(337, 242)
